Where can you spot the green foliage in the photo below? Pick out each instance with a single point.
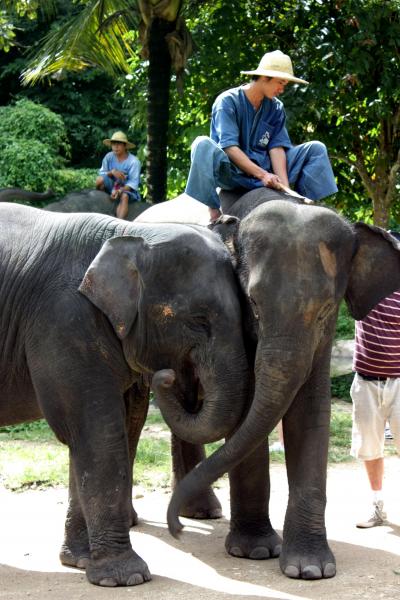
(7, 34)
(26, 120)
(26, 164)
(340, 436)
(345, 324)
(340, 386)
(72, 180)
(31, 140)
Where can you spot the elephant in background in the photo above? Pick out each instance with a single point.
(92, 308)
(9, 194)
(295, 262)
(89, 200)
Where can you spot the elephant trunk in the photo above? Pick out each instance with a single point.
(220, 412)
(277, 383)
(7, 194)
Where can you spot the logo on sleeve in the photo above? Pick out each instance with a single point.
(264, 140)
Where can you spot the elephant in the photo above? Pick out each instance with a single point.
(90, 200)
(86, 200)
(7, 194)
(92, 307)
(295, 262)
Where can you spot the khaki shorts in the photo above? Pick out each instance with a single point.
(374, 403)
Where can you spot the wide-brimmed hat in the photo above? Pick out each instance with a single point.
(276, 64)
(118, 136)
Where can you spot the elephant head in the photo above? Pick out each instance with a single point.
(171, 295)
(295, 263)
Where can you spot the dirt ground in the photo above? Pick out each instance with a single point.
(197, 566)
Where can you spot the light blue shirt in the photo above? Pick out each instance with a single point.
(235, 122)
(130, 167)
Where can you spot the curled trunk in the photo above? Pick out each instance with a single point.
(276, 386)
(218, 415)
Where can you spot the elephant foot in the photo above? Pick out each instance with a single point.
(122, 570)
(260, 544)
(205, 506)
(133, 519)
(310, 559)
(75, 555)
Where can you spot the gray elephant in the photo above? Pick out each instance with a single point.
(89, 200)
(296, 262)
(8, 194)
(90, 306)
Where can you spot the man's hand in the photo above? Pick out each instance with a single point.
(271, 180)
(118, 174)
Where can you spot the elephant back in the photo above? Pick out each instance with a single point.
(241, 202)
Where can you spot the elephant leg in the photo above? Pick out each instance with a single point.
(251, 533)
(136, 406)
(93, 426)
(75, 551)
(305, 551)
(185, 457)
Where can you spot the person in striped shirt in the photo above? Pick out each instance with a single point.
(375, 393)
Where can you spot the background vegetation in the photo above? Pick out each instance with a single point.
(96, 73)
(98, 66)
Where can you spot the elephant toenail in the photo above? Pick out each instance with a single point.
(82, 563)
(135, 579)
(292, 571)
(236, 551)
(330, 570)
(260, 553)
(277, 551)
(311, 572)
(108, 582)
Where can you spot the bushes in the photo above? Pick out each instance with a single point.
(33, 145)
(71, 180)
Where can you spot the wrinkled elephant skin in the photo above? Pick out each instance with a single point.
(91, 308)
(296, 262)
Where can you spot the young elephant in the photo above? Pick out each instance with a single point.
(296, 263)
(77, 357)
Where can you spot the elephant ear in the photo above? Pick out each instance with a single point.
(113, 284)
(375, 269)
(227, 228)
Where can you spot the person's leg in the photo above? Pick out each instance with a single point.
(105, 183)
(310, 171)
(99, 183)
(122, 206)
(375, 470)
(369, 417)
(210, 168)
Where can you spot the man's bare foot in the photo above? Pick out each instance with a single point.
(215, 213)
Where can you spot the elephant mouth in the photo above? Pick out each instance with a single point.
(194, 390)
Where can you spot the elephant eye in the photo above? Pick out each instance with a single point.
(254, 308)
(200, 323)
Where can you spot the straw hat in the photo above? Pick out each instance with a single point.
(276, 64)
(118, 136)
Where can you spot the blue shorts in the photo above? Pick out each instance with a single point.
(133, 195)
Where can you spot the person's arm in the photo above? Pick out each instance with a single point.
(107, 170)
(133, 177)
(278, 163)
(241, 160)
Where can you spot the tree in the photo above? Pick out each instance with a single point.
(348, 50)
(353, 102)
(99, 35)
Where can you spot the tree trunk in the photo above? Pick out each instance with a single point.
(158, 109)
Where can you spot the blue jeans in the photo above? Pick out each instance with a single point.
(309, 171)
(133, 195)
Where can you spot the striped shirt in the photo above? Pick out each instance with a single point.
(377, 343)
